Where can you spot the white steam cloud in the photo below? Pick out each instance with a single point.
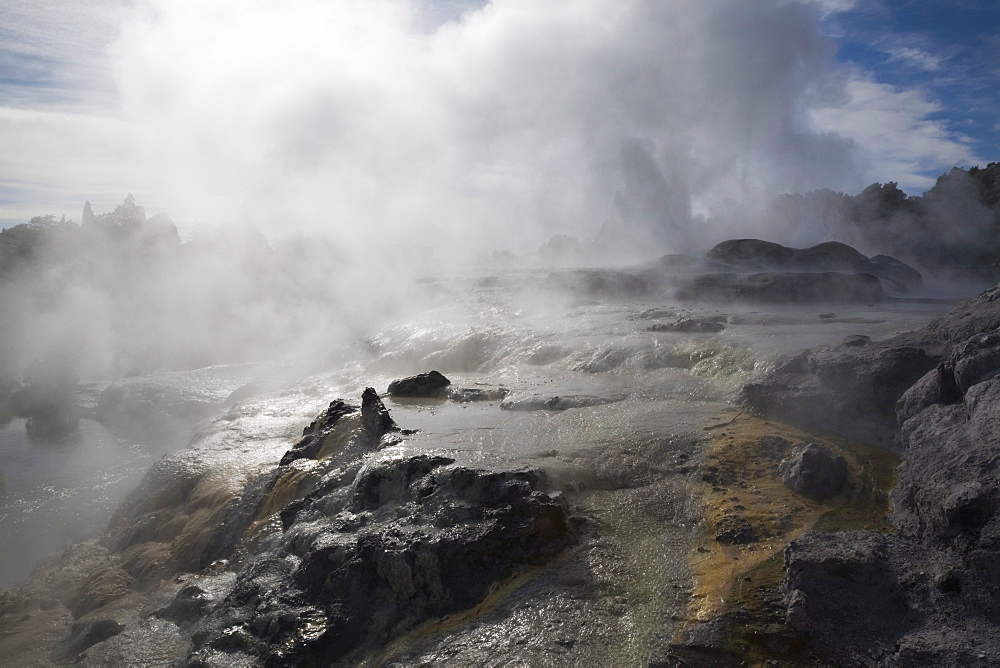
(513, 121)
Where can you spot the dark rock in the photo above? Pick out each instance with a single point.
(814, 471)
(856, 341)
(830, 256)
(433, 540)
(375, 419)
(88, 633)
(844, 389)
(777, 288)
(315, 434)
(734, 529)
(903, 275)
(844, 596)
(751, 253)
(424, 385)
(928, 594)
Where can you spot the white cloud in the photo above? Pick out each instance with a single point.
(916, 57)
(487, 124)
(895, 137)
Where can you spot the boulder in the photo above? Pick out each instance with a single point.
(831, 256)
(751, 253)
(845, 389)
(424, 385)
(777, 288)
(814, 471)
(844, 596)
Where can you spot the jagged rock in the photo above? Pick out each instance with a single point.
(814, 471)
(316, 433)
(844, 389)
(424, 385)
(376, 423)
(409, 539)
(857, 387)
(831, 256)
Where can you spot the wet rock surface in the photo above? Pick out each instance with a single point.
(831, 256)
(697, 325)
(344, 545)
(408, 540)
(170, 403)
(814, 471)
(527, 402)
(930, 593)
(424, 385)
(852, 388)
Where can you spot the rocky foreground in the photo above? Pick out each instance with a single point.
(928, 594)
(350, 547)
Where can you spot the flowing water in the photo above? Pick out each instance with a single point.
(597, 399)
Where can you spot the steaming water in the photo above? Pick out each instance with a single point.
(59, 493)
(628, 385)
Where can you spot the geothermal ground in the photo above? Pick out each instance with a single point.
(590, 484)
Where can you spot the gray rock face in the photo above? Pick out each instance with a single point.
(852, 389)
(783, 287)
(814, 471)
(930, 593)
(406, 541)
(843, 594)
(845, 389)
(424, 385)
(831, 256)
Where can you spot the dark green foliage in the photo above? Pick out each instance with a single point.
(956, 222)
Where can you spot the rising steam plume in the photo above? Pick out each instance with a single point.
(511, 121)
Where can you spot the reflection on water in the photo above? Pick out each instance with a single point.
(58, 492)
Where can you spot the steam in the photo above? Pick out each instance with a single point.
(348, 148)
(515, 120)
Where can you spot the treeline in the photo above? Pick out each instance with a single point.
(955, 223)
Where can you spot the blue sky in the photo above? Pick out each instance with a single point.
(186, 103)
(949, 50)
